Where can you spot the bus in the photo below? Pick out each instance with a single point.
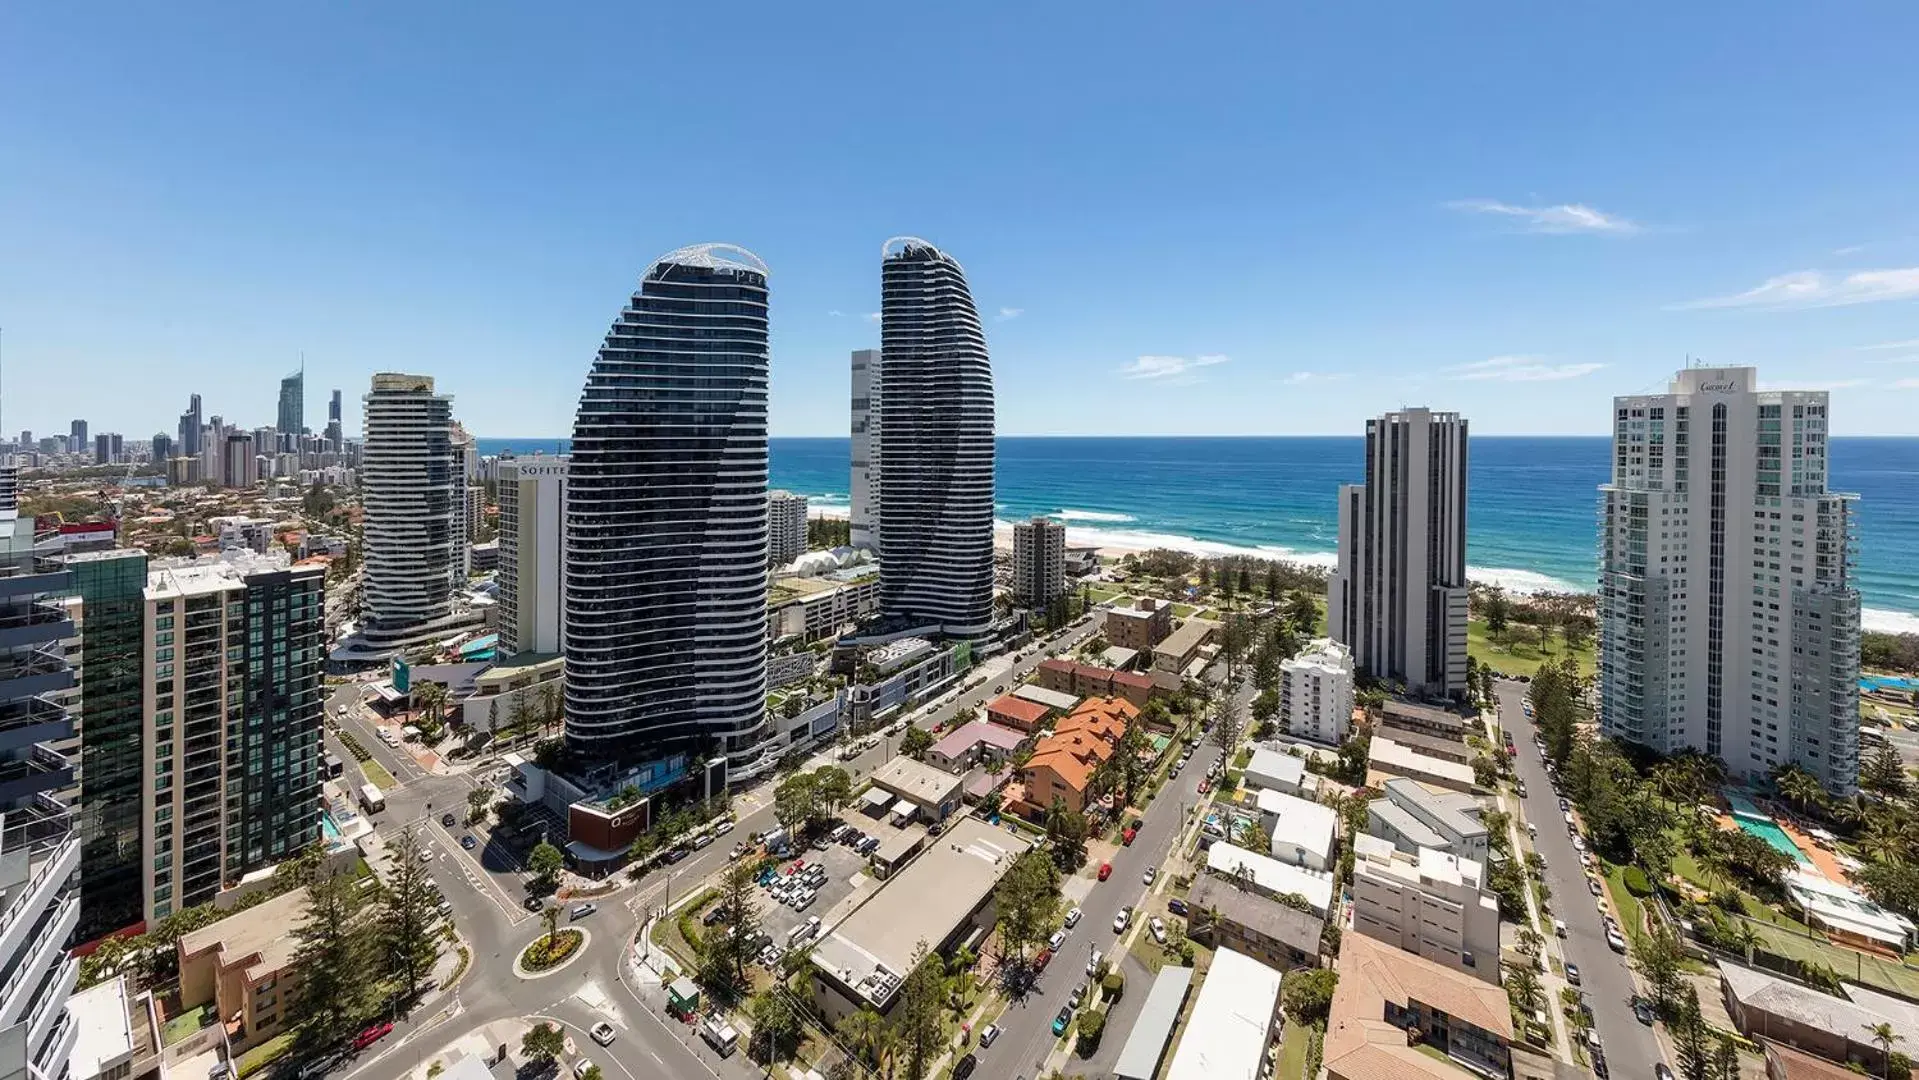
(371, 800)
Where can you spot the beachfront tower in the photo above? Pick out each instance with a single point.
(407, 476)
(936, 446)
(865, 488)
(1728, 609)
(1039, 561)
(665, 579)
(1398, 598)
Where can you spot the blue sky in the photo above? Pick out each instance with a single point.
(1178, 218)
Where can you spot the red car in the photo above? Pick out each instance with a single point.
(1045, 957)
(1205, 786)
(371, 1035)
(1127, 836)
(1105, 870)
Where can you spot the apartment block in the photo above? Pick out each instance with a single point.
(785, 527)
(1039, 562)
(1432, 904)
(1412, 816)
(1316, 692)
(532, 497)
(234, 655)
(109, 586)
(1141, 626)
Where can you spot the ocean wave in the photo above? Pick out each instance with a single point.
(1882, 621)
(821, 508)
(1069, 514)
(1143, 540)
(1522, 582)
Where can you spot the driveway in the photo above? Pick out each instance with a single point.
(1630, 1047)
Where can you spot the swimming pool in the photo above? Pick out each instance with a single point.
(329, 829)
(1751, 819)
(1869, 683)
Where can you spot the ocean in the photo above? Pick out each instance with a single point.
(1532, 503)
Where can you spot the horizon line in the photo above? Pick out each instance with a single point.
(1082, 435)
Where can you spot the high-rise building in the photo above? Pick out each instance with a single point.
(240, 465)
(109, 585)
(936, 445)
(463, 525)
(665, 581)
(408, 479)
(293, 410)
(77, 437)
(865, 490)
(785, 527)
(191, 422)
(532, 494)
(1039, 561)
(162, 448)
(103, 449)
(1728, 610)
(39, 844)
(1398, 598)
(236, 648)
(1316, 692)
(335, 435)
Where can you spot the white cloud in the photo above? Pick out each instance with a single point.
(1811, 288)
(1560, 219)
(1300, 378)
(1166, 367)
(1906, 384)
(1888, 346)
(872, 316)
(1520, 369)
(1006, 313)
(1849, 249)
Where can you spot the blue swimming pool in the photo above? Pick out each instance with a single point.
(329, 829)
(1754, 821)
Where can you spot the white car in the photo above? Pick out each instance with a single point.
(602, 1033)
(1092, 965)
(1072, 918)
(1158, 928)
(580, 1067)
(1151, 873)
(723, 828)
(1122, 920)
(1058, 939)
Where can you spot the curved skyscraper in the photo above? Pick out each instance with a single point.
(665, 577)
(936, 440)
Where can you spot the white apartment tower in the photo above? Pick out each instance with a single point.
(865, 489)
(1039, 561)
(1728, 615)
(1316, 692)
(532, 533)
(409, 478)
(1398, 598)
(785, 527)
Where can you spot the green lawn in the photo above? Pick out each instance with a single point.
(1848, 963)
(1518, 652)
(1631, 911)
(377, 775)
(1103, 593)
(1180, 611)
(1292, 1054)
(188, 1023)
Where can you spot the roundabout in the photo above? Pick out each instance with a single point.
(550, 953)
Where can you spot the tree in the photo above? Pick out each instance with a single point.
(543, 1042)
(1497, 611)
(1027, 899)
(1725, 1058)
(740, 915)
(408, 948)
(1255, 838)
(552, 708)
(834, 787)
(916, 742)
(1657, 955)
(918, 1016)
(1308, 995)
(1066, 832)
(1689, 1038)
(545, 862)
(477, 802)
(775, 1023)
(333, 952)
(1884, 772)
(865, 1031)
(1884, 1034)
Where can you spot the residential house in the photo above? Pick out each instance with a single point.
(1392, 1006)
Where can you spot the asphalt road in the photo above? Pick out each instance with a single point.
(1606, 977)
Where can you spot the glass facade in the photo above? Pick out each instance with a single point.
(112, 738)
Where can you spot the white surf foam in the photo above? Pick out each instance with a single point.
(1888, 622)
(1070, 514)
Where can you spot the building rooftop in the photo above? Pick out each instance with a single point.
(1392, 757)
(925, 901)
(1232, 1018)
(1188, 637)
(1827, 1012)
(1118, 656)
(1401, 820)
(1287, 925)
(1361, 1044)
(1299, 822)
(1019, 707)
(1425, 714)
(1052, 699)
(261, 932)
(1139, 1060)
(898, 652)
(1268, 873)
(105, 1029)
(926, 783)
(1282, 767)
(169, 578)
(1794, 1064)
(967, 736)
(1454, 810)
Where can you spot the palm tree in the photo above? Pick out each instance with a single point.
(1670, 780)
(1883, 1034)
(550, 915)
(1883, 841)
(1746, 937)
(866, 1031)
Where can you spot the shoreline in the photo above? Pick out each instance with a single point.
(1519, 582)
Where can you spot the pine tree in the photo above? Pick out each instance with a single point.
(408, 943)
(1694, 1056)
(740, 915)
(917, 1018)
(333, 953)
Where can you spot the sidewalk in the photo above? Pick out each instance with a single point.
(1552, 981)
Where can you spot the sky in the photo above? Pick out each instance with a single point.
(1176, 218)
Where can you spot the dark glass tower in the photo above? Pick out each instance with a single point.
(665, 577)
(936, 445)
(112, 737)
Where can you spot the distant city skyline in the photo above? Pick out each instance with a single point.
(1302, 220)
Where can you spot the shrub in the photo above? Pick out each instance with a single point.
(1113, 985)
(1636, 882)
(1092, 1024)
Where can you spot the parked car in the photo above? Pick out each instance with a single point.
(1078, 996)
(1072, 917)
(964, 1067)
(1151, 873)
(725, 826)
(1061, 1021)
(987, 1035)
(711, 917)
(580, 1067)
(1126, 837)
(1572, 974)
(372, 1035)
(1058, 939)
(1593, 884)
(1122, 920)
(1520, 786)
(602, 1033)
(1661, 1072)
(426, 855)
(1040, 961)
(1642, 1011)
(1092, 962)
(1176, 905)
(1158, 928)
(447, 820)
(1105, 871)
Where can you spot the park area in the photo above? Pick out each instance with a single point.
(1517, 650)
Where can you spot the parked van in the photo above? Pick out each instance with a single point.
(1559, 927)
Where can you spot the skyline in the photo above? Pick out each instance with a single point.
(1264, 223)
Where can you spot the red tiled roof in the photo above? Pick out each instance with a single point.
(1030, 712)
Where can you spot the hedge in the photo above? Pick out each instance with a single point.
(1636, 882)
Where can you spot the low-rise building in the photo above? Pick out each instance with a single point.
(1388, 758)
(1018, 713)
(910, 674)
(970, 744)
(1231, 1023)
(1832, 1026)
(931, 792)
(1271, 770)
(1052, 699)
(1140, 627)
(1146, 1044)
(1425, 720)
(815, 608)
(1316, 692)
(1085, 680)
(1269, 877)
(1221, 915)
(1434, 904)
(243, 965)
(1392, 1007)
(115, 1040)
(941, 900)
(1181, 647)
(1081, 561)
(1303, 832)
(1412, 817)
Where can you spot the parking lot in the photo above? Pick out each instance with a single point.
(834, 889)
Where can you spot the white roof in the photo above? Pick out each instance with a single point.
(1280, 767)
(105, 1037)
(1390, 755)
(1231, 1021)
(1300, 823)
(1271, 875)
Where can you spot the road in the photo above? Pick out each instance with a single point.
(1630, 1047)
